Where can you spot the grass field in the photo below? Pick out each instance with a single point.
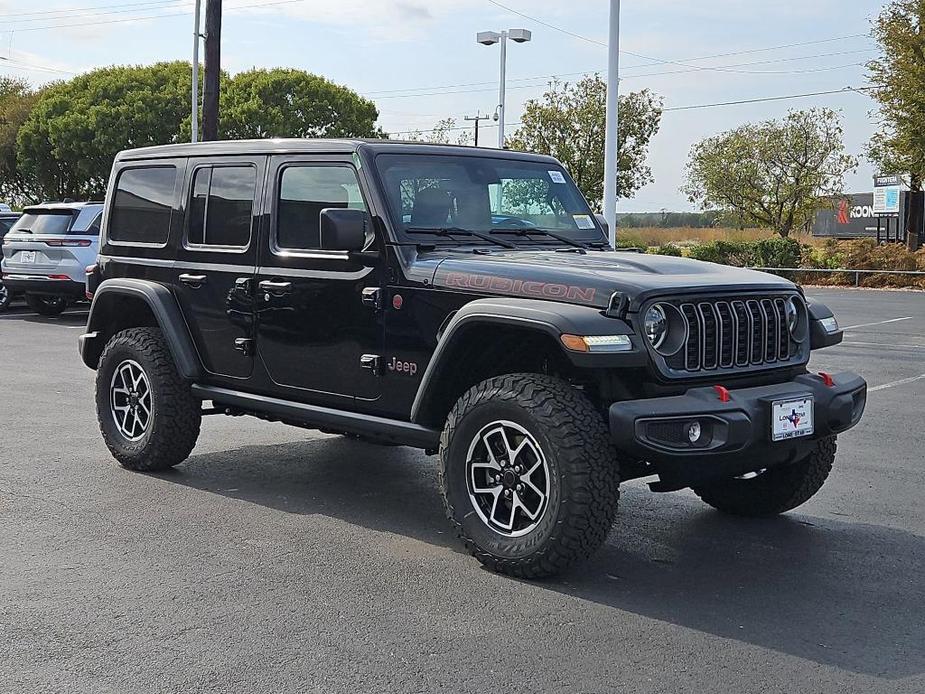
(688, 236)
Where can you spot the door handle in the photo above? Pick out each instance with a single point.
(275, 288)
(194, 281)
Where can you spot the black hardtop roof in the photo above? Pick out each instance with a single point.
(318, 146)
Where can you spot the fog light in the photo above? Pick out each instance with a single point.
(693, 432)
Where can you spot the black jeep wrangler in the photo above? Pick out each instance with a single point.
(459, 300)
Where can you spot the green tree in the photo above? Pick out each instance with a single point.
(68, 142)
(444, 132)
(16, 101)
(899, 74)
(569, 121)
(775, 173)
(293, 103)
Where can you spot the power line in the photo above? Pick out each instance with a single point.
(655, 61)
(91, 8)
(544, 84)
(622, 76)
(170, 5)
(843, 90)
(137, 19)
(21, 65)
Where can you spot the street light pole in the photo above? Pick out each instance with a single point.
(610, 132)
(489, 38)
(501, 90)
(194, 97)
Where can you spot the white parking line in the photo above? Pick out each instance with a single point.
(879, 322)
(900, 382)
(890, 345)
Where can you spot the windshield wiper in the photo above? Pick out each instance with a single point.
(459, 231)
(526, 231)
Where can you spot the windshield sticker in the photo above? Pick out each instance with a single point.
(556, 176)
(583, 221)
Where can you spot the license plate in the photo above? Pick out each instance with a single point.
(791, 419)
(27, 256)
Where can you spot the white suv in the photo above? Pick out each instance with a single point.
(46, 253)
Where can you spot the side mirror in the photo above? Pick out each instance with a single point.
(602, 220)
(343, 229)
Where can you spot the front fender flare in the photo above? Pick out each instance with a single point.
(551, 318)
(164, 308)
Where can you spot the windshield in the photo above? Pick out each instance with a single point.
(487, 194)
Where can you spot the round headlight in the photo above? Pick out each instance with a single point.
(793, 316)
(656, 325)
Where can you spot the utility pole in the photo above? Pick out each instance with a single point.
(610, 131)
(477, 117)
(194, 96)
(213, 68)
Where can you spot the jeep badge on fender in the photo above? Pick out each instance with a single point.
(542, 365)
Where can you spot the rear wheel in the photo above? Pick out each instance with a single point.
(528, 473)
(775, 490)
(147, 414)
(5, 298)
(46, 305)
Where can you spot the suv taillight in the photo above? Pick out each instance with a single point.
(82, 243)
(91, 281)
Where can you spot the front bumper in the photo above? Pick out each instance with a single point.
(737, 436)
(43, 284)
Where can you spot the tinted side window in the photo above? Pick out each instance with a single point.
(303, 192)
(142, 205)
(222, 205)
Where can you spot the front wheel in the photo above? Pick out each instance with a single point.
(774, 490)
(148, 416)
(46, 305)
(528, 473)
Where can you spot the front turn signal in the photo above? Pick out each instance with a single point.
(596, 343)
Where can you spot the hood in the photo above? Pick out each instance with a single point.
(591, 278)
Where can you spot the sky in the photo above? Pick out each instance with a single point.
(419, 61)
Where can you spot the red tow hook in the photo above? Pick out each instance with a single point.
(827, 379)
(723, 393)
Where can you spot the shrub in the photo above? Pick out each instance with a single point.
(665, 249)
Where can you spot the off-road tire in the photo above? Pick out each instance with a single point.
(45, 305)
(777, 489)
(584, 473)
(176, 415)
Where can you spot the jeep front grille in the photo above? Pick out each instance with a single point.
(734, 333)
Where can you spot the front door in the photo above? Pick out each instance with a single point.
(217, 260)
(315, 333)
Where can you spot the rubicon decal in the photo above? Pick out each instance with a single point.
(506, 285)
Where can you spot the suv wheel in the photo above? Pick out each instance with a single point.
(5, 298)
(528, 473)
(46, 305)
(774, 490)
(148, 417)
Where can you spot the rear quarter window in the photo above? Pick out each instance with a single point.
(142, 205)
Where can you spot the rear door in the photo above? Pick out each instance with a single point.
(216, 260)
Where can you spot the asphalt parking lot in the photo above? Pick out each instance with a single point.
(280, 560)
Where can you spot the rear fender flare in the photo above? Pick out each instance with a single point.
(164, 308)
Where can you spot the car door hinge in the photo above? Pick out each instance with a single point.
(244, 284)
(372, 297)
(244, 345)
(371, 362)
